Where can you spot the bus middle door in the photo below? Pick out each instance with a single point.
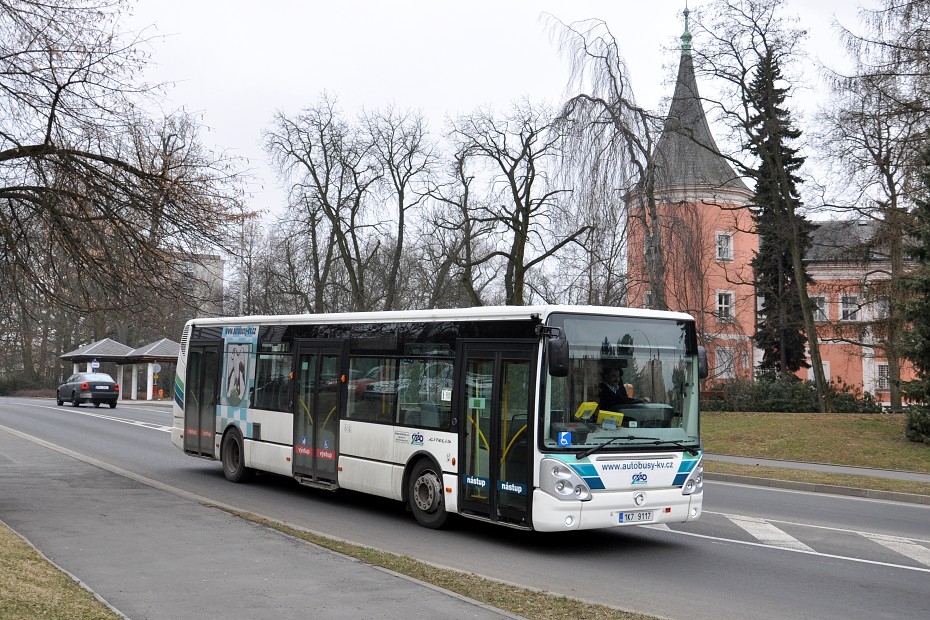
(317, 397)
(495, 388)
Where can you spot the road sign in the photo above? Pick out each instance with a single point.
(156, 368)
(95, 365)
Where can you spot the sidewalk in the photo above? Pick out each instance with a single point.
(151, 554)
(822, 488)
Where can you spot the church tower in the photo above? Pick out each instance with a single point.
(706, 235)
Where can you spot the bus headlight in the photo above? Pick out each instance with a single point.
(560, 481)
(695, 481)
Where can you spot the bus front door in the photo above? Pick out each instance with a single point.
(318, 388)
(495, 388)
(201, 398)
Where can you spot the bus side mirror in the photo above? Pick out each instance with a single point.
(557, 354)
(702, 363)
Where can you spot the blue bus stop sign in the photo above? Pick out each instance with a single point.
(95, 365)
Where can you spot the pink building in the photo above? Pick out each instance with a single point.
(708, 240)
(851, 269)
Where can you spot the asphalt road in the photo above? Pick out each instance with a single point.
(757, 552)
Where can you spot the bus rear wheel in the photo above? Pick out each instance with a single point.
(232, 453)
(425, 495)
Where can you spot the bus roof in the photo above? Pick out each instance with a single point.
(479, 313)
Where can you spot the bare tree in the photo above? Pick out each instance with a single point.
(875, 128)
(610, 140)
(331, 174)
(515, 152)
(399, 144)
(117, 196)
(455, 243)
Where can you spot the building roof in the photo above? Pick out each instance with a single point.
(160, 349)
(686, 153)
(106, 349)
(845, 241)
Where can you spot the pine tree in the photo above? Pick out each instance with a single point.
(917, 311)
(780, 326)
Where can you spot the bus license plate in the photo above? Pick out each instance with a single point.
(636, 517)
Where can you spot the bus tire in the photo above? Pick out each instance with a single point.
(425, 495)
(232, 454)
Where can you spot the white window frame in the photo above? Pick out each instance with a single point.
(724, 246)
(882, 378)
(730, 315)
(849, 308)
(882, 308)
(821, 310)
(826, 371)
(725, 362)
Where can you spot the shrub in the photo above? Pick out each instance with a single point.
(785, 393)
(9, 385)
(917, 423)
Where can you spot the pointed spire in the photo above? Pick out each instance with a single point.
(686, 35)
(686, 154)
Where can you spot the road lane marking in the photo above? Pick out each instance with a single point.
(768, 534)
(150, 425)
(904, 546)
(831, 556)
(841, 530)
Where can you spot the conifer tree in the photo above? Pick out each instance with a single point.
(917, 311)
(784, 234)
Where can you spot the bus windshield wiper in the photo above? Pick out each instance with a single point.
(655, 440)
(591, 451)
(689, 449)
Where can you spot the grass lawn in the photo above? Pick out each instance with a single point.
(859, 440)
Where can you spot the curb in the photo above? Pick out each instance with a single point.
(893, 496)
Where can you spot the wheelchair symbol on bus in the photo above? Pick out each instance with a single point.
(565, 438)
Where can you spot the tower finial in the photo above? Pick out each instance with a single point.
(686, 35)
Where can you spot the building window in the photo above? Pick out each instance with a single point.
(883, 383)
(882, 309)
(820, 308)
(724, 306)
(647, 299)
(849, 308)
(824, 365)
(724, 246)
(725, 359)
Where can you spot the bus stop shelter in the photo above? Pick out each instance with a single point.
(150, 356)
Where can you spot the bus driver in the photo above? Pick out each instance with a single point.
(612, 391)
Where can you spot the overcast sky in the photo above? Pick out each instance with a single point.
(238, 62)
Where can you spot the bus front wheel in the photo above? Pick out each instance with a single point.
(425, 495)
(232, 454)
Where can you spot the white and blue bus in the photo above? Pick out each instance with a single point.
(491, 413)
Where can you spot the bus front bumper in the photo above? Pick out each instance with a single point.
(615, 509)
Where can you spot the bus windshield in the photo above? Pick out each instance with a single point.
(632, 384)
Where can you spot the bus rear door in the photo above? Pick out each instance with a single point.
(201, 397)
(318, 394)
(495, 397)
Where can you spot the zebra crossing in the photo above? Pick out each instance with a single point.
(836, 543)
